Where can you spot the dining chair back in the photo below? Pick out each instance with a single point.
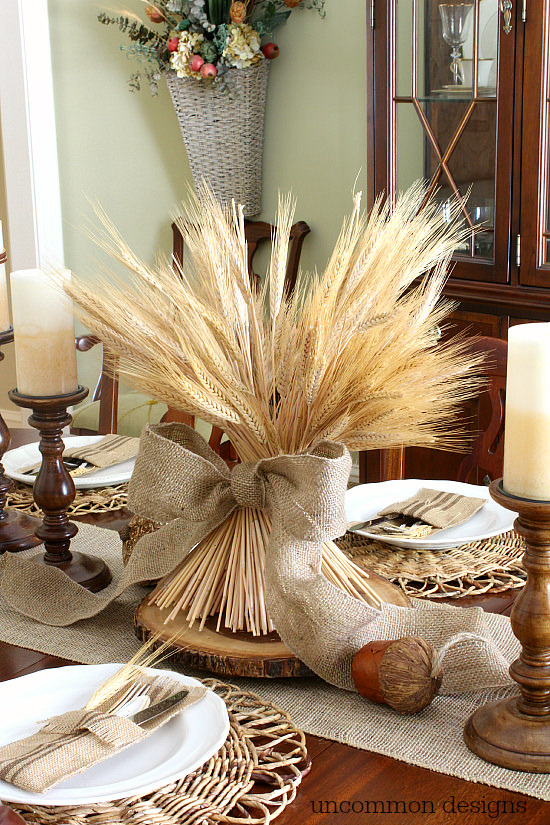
(484, 414)
(105, 392)
(257, 234)
(486, 457)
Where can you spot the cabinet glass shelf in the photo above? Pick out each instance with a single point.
(435, 97)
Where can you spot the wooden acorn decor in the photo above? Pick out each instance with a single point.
(398, 673)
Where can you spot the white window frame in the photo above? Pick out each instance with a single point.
(35, 236)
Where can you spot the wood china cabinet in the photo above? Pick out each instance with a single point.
(469, 113)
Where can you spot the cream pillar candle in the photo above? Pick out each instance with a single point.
(527, 429)
(43, 327)
(4, 310)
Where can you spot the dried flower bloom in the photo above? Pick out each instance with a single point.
(209, 51)
(198, 13)
(242, 47)
(292, 4)
(237, 12)
(190, 43)
(155, 14)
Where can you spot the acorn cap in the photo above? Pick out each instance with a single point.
(399, 673)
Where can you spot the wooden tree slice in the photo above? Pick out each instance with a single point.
(222, 652)
(229, 653)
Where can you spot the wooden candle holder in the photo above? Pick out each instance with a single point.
(54, 490)
(17, 530)
(515, 733)
(9, 817)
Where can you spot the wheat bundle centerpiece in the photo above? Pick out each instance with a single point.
(352, 356)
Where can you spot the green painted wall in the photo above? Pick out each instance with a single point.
(125, 150)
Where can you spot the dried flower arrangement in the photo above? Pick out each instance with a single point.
(203, 39)
(352, 356)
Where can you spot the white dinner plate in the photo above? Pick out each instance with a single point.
(182, 745)
(28, 454)
(488, 31)
(365, 501)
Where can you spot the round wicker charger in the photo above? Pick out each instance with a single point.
(98, 500)
(251, 779)
(472, 569)
(492, 564)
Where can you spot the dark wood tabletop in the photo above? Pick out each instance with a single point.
(350, 786)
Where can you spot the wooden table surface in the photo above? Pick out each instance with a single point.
(349, 786)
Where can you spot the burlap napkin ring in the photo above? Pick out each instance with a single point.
(115, 731)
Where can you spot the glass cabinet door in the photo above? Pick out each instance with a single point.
(449, 70)
(535, 177)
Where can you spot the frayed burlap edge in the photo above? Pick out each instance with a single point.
(252, 778)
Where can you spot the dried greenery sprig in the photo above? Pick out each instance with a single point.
(352, 355)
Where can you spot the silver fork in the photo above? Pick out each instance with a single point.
(135, 691)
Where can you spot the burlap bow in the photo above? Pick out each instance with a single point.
(181, 483)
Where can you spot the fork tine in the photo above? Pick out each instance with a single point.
(141, 689)
(126, 708)
(126, 697)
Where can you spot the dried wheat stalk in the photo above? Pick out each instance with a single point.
(352, 356)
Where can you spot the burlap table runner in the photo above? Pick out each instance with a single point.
(180, 482)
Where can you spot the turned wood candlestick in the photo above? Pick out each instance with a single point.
(17, 530)
(54, 489)
(9, 817)
(515, 733)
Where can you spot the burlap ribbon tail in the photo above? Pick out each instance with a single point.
(181, 483)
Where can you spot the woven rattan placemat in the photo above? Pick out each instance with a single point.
(98, 500)
(492, 564)
(251, 779)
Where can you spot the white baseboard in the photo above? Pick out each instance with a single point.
(16, 418)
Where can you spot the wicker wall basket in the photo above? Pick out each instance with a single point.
(223, 129)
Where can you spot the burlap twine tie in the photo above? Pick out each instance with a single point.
(181, 483)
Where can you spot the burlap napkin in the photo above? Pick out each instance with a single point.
(111, 450)
(435, 508)
(68, 744)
